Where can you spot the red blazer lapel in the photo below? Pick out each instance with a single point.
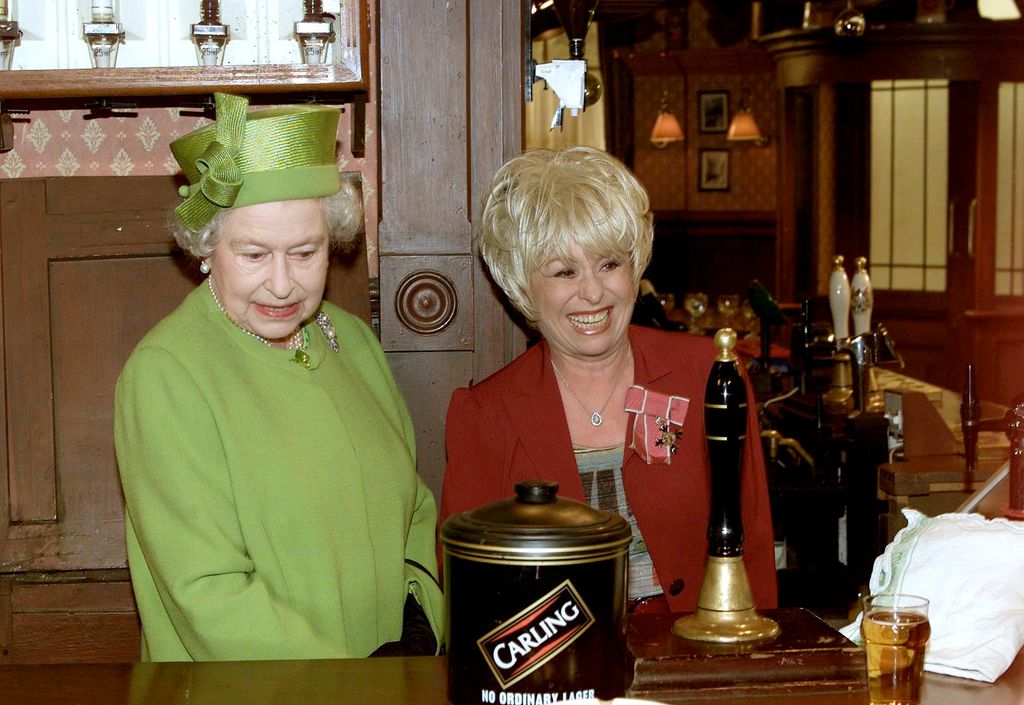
(544, 448)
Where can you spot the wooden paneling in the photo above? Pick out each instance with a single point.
(496, 110)
(433, 376)
(713, 252)
(29, 443)
(997, 339)
(451, 100)
(953, 51)
(68, 618)
(424, 127)
(85, 275)
(692, 61)
(422, 300)
(6, 630)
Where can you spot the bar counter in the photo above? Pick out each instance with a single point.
(382, 681)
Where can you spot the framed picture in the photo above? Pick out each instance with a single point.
(713, 111)
(713, 171)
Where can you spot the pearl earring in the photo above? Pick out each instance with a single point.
(204, 267)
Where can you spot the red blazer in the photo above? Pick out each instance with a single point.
(512, 427)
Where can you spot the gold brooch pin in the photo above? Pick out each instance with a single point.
(668, 437)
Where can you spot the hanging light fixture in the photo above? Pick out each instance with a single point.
(743, 127)
(666, 128)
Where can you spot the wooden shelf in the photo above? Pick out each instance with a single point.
(178, 80)
(695, 61)
(951, 51)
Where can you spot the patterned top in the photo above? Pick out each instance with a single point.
(601, 474)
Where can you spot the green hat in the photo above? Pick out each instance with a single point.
(277, 154)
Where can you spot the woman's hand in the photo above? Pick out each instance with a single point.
(417, 636)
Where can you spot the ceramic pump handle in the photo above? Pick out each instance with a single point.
(725, 428)
(839, 300)
(862, 298)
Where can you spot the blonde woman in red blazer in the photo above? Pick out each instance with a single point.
(566, 235)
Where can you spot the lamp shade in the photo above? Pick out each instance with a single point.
(743, 128)
(666, 131)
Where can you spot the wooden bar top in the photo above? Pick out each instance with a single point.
(381, 681)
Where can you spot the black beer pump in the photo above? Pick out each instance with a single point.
(725, 607)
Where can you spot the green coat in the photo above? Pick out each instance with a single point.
(273, 511)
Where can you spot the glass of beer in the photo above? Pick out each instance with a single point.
(895, 629)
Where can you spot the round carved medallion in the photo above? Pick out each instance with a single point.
(426, 302)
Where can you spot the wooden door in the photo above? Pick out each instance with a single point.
(451, 101)
(86, 272)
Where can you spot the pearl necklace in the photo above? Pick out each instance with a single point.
(596, 417)
(294, 343)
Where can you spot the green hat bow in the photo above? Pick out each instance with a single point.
(221, 178)
(244, 158)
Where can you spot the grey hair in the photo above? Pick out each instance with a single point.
(542, 200)
(343, 211)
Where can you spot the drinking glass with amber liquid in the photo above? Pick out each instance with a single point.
(896, 630)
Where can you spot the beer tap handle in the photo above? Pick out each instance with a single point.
(885, 347)
(725, 606)
(768, 311)
(970, 417)
(861, 297)
(1015, 432)
(839, 300)
(725, 429)
(800, 347)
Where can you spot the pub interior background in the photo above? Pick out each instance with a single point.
(898, 146)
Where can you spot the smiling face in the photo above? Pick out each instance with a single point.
(584, 303)
(269, 266)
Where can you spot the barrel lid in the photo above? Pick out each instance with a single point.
(537, 519)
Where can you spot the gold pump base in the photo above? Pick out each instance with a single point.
(725, 607)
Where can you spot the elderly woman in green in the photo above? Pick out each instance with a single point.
(266, 456)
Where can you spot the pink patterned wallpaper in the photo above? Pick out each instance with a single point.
(65, 143)
(670, 174)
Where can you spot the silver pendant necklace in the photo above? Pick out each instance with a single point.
(596, 417)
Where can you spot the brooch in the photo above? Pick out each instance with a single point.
(324, 321)
(668, 436)
(657, 424)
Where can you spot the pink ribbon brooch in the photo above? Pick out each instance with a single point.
(657, 424)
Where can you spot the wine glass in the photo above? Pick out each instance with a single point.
(850, 22)
(727, 306)
(695, 303)
(668, 301)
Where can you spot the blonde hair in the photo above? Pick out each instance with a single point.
(542, 200)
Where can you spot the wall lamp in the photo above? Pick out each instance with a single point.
(743, 128)
(666, 128)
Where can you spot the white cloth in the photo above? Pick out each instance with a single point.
(971, 569)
